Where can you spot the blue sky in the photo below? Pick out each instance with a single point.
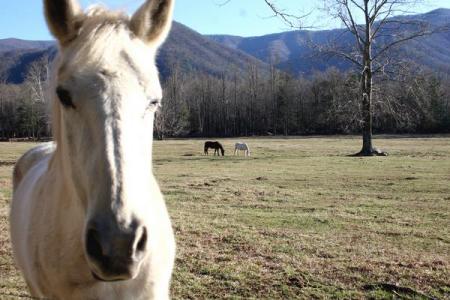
(23, 18)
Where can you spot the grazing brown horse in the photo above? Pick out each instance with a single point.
(214, 145)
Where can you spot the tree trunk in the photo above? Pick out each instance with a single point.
(367, 114)
(366, 89)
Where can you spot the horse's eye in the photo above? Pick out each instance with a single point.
(155, 103)
(64, 97)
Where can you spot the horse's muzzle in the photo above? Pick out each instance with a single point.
(115, 255)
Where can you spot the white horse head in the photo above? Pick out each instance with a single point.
(106, 90)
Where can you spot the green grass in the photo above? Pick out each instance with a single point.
(298, 219)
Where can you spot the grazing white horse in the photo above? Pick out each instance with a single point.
(241, 147)
(88, 220)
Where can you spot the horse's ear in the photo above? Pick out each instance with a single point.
(152, 21)
(61, 18)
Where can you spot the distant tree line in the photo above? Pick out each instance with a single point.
(279, 104)
(24, 107)
(273, 103)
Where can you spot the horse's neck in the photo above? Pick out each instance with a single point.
(57, 205)
(59, 186)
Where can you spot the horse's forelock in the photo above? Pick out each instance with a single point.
(101, 11)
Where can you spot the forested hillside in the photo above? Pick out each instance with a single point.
(185, 49)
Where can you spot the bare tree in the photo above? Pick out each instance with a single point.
(3, 107)
(373, 40)
(36, 101)
(171, 118)
(37, 79)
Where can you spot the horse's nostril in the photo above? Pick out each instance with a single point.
(142, 241)
(116, 251)
(93, 246)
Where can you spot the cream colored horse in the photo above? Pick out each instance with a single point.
(88, 220)
(239, 146)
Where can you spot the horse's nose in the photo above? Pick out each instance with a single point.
(116, 254)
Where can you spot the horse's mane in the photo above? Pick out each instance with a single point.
(97, 27)
(102, 15)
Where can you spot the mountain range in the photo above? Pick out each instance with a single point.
(291, 51)
(224, 54)
(185, 49)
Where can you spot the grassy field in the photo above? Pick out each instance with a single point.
(299, 219)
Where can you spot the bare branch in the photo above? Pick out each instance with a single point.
(401, 40)
(360, 42)
(293, 21)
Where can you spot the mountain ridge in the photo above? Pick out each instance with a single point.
(290, 51)
(185, 49)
